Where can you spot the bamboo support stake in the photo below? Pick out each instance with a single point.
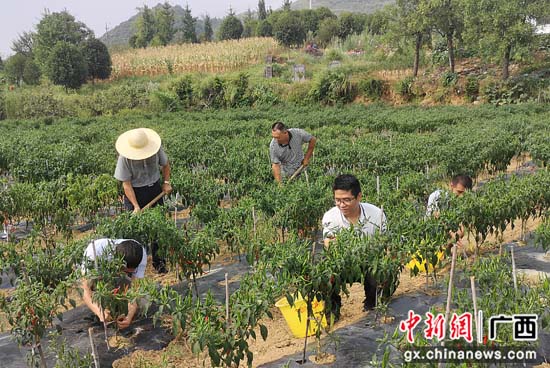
(397, 186)
(474, 299)
(227, 300)
(254, 221)
(94, 351)
(514, 269)
(377, 185)
(449, 293)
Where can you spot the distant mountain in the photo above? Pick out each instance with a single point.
(339, 6)
(120, 35)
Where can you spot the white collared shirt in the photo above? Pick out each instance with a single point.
(371, 219)
(105, 247)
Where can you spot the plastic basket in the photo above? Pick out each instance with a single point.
(297, 321)
(418, 261)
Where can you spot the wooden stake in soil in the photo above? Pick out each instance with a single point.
(514, 269)
(94, 351)
(377, 185)
(474, 299)
(397, 185)
(449, 293)
(227, 300)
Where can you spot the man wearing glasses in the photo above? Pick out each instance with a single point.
(286, 152)
(135, 259)
(350, 212)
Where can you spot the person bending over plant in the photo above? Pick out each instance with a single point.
(110, 267)
(439, 200)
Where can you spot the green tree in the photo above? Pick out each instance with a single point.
(497, 28)
(15, 68)
(378, 22)
(264, 29)
(145, 28)
(289, 29)
(328, 29)
(54, 28)
(208, 31)
(1, 64)
(189, 34)
(350, 23)
(97, 59)
(164, 24)
(262, 14)
(411, 22)
(250, 25)
(286, 5)
(231, 27)
(66, 66)
(24, 44)
(31, 73)
(446, 17)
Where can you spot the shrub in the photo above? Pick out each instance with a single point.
(298, 93)
(449, 79)
(332, 87)
(211, 92)
(472, 88)
(404, 88)
(164, 101)
(34, 104)
(236, 92)
(334, 54)
(372, 88)
(264, 95)
(183, 88)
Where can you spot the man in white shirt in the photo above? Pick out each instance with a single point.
(135, 258)
(349, 212)
(439, 201)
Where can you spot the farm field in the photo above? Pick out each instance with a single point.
(57, 177)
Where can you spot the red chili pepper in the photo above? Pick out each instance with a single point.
(116, 290)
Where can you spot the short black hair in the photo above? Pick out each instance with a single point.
(278, 125)
(347, 182)
(465, 180)
(131, 251)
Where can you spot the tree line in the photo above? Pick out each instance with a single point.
(66, 51)
(489, 29)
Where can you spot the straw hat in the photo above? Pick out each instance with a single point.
(138, 144)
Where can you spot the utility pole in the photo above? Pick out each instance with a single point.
(310, 4)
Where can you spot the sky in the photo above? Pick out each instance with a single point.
(18, 16)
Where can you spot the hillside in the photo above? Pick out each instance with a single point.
(339, 6)
(120, 35)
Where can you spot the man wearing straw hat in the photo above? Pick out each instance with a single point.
(285, 150)
(364, 218)
(140, 157)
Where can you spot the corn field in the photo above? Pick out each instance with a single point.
(211, 57)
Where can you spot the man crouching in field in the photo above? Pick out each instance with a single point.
(135, 260)
(364, 218)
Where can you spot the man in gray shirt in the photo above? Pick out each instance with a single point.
(286, 152)
(140, 157)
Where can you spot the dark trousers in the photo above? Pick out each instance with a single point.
(144, 195)
(369, 285)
